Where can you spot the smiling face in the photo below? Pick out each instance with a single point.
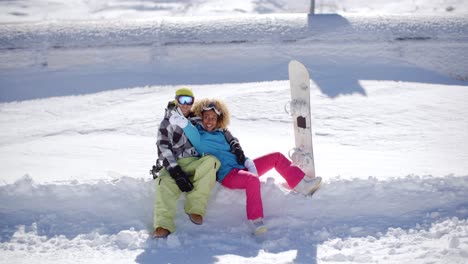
(209, 120)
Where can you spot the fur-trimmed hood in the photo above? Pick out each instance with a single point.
(223, 119)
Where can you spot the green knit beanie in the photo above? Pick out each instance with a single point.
(184, 91)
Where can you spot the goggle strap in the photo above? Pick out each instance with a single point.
(208, 108)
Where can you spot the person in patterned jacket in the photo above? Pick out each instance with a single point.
(183, 170)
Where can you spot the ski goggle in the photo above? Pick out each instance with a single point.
(185, 100)
(212, 106)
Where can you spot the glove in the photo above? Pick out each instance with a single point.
(178, 121)
(250, 165)
(239, 153)
(235, 147)
(181, 178)
(171, 105)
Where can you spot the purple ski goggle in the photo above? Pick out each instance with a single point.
(185, 100)
(212, 106)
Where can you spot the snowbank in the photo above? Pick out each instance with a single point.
(108, 207)
(234, 29)
(115, 216)
(34, 10)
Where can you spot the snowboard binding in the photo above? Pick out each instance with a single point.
(296, 108)
(303, 160)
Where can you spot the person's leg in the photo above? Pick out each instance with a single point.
(291, 173)
(203, 176)
(166, 195)
(241, 179)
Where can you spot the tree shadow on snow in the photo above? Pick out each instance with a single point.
(335, 80)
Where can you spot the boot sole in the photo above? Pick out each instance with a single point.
(161, 235)
(195, 222)
(315, 188)
(260, 231)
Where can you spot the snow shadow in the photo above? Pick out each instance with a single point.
(333, 78)
(160, 251)
(225, 234)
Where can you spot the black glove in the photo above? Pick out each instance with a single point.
(171, 105)
(181, 179)
(237, 150)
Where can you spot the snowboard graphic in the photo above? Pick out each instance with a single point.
(299, 108)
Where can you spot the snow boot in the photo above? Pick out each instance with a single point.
(308, 186)
(257, 226)
(196, 219)
(160, 232)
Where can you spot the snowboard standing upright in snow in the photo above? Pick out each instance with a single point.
(299, 108)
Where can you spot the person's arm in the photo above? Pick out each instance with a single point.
(190, 131)
(164, 143)
(237, 150)
(235, 147)
(193, 135)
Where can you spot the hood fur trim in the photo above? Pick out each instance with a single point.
(223, 119)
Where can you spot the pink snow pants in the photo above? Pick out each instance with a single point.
(243, 179)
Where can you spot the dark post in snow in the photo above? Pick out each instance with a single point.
(312, 7)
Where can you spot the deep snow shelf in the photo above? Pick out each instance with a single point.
(233, 29)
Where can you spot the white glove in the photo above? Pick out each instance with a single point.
(250, 165)
(178, 120)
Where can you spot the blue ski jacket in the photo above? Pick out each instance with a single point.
(214, 143)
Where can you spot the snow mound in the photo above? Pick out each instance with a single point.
(108, 207)
(116, 215)
(164, 31)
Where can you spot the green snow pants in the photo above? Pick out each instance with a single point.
(202, 173)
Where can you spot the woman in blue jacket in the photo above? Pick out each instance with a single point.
(209, 135)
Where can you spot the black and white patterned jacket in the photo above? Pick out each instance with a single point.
(172, 142)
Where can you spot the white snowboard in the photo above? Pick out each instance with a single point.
(299, 108)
